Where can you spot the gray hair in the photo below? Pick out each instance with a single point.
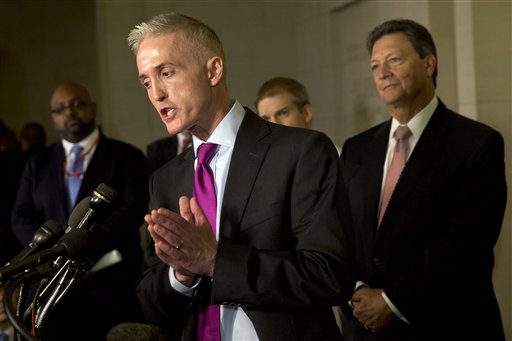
(200, 38)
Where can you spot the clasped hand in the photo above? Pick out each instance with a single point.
(371, 310)
(184, 241)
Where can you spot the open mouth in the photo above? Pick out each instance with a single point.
(167, 113)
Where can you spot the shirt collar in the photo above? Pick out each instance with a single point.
(87, 143)
(226, 131)
(419, 121)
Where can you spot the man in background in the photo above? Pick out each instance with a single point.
(11, 166)
(285, 101)
(32, 139)
(162, 150)
(82, 160)
(6, 329)
(427, 191)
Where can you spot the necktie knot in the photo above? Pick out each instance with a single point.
(402, 133)
(77, 149)
(76, 152)
(205, 152)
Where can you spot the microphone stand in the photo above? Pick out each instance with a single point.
(10, 287)
(10, 312)
(70, 273)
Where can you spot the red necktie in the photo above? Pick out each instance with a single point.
(208, 328)
(401, 136)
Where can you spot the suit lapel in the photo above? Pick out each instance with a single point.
(57, 180)
(246, 161)
(184, 173)
(370, 177)
(424, 153)
(93, 173)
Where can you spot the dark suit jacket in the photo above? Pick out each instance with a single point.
(161, 151)
(106, 297)
(283, 236)
(433, 253)
(11, 166)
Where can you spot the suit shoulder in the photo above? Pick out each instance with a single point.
(163, 142)
(121, 146)
(282, 131)
(470, 126)
(47, 153)
(368, 135)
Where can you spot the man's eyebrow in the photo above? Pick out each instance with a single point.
(158, 67)
(281, 109)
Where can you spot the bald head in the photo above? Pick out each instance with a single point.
(73, 111)
(69, 87)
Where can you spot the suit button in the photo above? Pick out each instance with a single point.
(376, 262)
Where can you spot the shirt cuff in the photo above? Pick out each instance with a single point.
(358, 285)
(393, 308)
(181, 288)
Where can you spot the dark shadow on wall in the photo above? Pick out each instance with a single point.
(13, 90)
(42, 44)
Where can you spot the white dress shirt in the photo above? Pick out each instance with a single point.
(417, 124)
(234, 322)
(88, 144)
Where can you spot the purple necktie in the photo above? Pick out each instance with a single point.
(401, 136)
(208, 328)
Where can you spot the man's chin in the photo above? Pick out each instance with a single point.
(173, 130)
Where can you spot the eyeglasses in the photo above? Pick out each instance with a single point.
(73, 105)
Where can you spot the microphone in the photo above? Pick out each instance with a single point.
(45, 236)
(75, 244)
(78, 213)
(102, 197)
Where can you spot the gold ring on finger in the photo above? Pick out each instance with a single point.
(179, 245)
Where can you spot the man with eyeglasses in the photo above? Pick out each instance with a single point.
(106, 297)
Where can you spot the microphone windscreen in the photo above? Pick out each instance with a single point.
(78, 212)
(107, 193)
(53, 227)
(50, 231)
(77, 243)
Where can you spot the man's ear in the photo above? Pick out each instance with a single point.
(94, 108)
(430, 64)
(215, 68)
(307, 111)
